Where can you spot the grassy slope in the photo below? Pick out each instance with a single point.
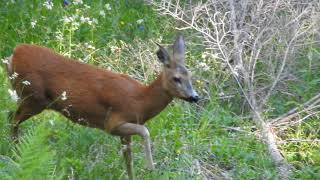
(188, 140)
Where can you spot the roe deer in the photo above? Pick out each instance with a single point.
(94, 97)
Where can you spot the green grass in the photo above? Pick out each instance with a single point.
(189, 141)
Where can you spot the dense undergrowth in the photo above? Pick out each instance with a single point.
(189, 141)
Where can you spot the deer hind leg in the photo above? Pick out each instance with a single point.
(126, 142)
(129, 129)
(24, 112)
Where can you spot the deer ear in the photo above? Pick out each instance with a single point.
(163, 55)
(179, 49)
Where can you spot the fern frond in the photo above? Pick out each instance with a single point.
(33, 157)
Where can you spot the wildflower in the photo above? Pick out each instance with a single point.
(139, 21)
(81, 119)
(5, 61)
(75, 25)
(85, 19)
(64, 96)
(27, 83)
(204, 66)
(33, 23)
(102, 13)
(48, 5)
(108, 7)
(159, 39)
(59, 36)
(76, 2)
(87, 7)
(114, 49)
(203, 55)
(88, 20)
(67, 19)
(66, 2)
(13, 76)
(13, 94)
(221, 94)
(82, 19)
(89, 46)
(51, 122)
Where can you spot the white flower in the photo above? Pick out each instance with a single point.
(84, 19)
(13, 94)
(88, 20)
(139, 21)
(114, 49)
(108, 7)
(203, 55)
(67, 19)
(89, 46)
(59, 36)
(64, 96)
(48, 5)
(13, 76)
(51, 122)
(75, 25)
(204, 66)
(81, 119)
(5, 61)
(76, 2)
(27, 83)
(33, 23)
(102, 13)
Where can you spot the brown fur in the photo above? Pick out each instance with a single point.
(95, 97)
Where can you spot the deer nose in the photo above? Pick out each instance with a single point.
(194, 98)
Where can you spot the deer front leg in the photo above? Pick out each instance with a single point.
(129, 129)
(126, 142)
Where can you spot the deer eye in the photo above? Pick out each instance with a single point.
(177, 80)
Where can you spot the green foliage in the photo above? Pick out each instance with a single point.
(303, 85)
(65, 27)
(189, 141)
(32, 157)
(302, 144)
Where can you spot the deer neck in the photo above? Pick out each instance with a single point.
(156, 98)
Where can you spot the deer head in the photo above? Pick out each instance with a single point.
(176, 77)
